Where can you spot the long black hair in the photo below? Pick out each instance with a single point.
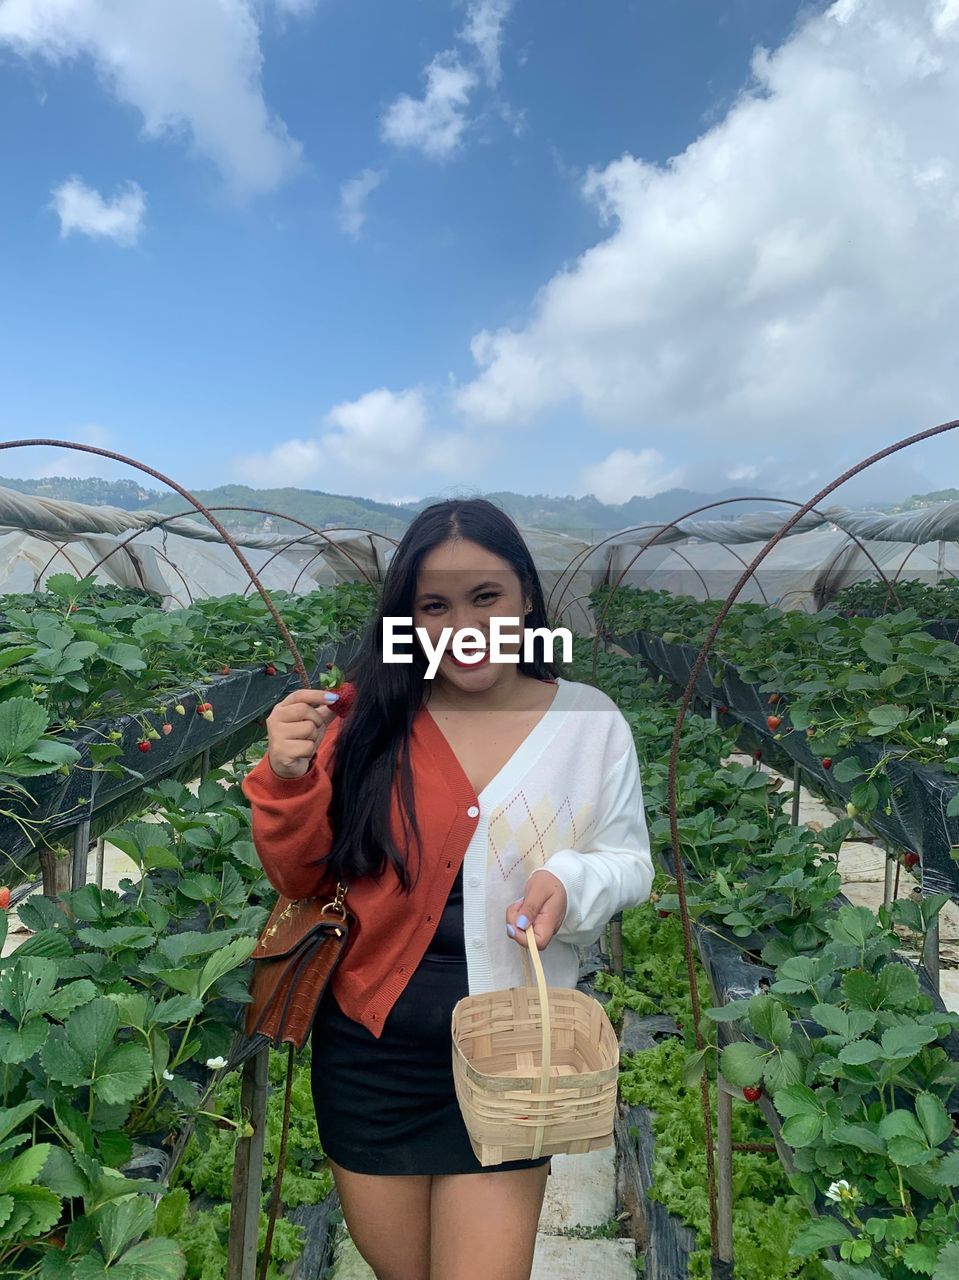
(374, 740)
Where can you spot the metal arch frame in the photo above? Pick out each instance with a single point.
(197, 505)
(61, 551)
(256, 511)
(790, 502)
(684, 705)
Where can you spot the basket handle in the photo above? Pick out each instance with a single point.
(532, 954)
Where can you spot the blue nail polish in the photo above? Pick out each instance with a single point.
(511, 931)
(523, 922)
(331, 697)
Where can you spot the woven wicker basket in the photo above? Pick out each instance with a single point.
(532, 1083)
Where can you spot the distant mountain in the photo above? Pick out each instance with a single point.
(126, 494)
(586, 517)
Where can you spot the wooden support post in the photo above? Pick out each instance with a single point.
(56, 868)
(797, 775)
(81, 851)
(888, 871)
(248, 1171)
(204, 763)
(724, 1168)
(616, 944)
(101, 843)
(930, 953)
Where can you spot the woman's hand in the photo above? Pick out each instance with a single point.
(543, 909)
(295, 728)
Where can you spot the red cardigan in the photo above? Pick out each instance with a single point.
(392, 930)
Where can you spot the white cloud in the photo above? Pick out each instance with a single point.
(384, 437)
(625, 474)
(484, 30)
(82, 209)
(189, 67)
(793, 270)
(354, 194)
(433, 124)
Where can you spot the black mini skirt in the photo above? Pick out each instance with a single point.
(388, 1105)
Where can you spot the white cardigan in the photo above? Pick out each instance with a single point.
(569, 801)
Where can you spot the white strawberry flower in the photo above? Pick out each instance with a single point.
(841, 1190)
(168, 1075)
(942, 742)
(216, 1064)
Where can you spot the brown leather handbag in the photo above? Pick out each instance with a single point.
(300, 946)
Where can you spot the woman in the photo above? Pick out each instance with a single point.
(461, 811)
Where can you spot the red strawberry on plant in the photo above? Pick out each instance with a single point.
(4, 898)
(752, 1093)
(723, 711)
(772, 699)
(774, 722)
(205, 709)
(143, 745)
(167, 728)
(224, 671)
(757, 755)
(827, 762)
(911, 859)
(270, 669)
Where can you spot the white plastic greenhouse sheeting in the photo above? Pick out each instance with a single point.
(185, 559)
(179, 562)
(802, 572)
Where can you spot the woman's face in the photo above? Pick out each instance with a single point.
(461, 584)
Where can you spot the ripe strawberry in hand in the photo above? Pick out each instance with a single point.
(334, 682)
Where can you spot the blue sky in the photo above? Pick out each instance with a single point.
(559, 246)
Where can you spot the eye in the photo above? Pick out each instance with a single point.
(431, 606)
(487, 595)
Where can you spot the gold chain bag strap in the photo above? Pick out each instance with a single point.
(300, 946)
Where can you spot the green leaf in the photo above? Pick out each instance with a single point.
(229, 957)
(123, 1073)
(933, 1117)
(860, 1052)
(858, 1135)
(62, 1176)
(848, 769)
(905, 1040)
(947, 1267)
(50, 751)
(898, 985)
(832, 1018)
(887, 717)
(742, 1063)
(177, 1009)
(821, 1233)
(797, 1100)
(920, 1258)
(22, 722)
(876, 645)
(120, 1222)
(23, 1169)
(769, 1019)
(156, 1259)
(801, 1131)
(783, 1069)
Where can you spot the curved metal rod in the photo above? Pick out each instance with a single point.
(347, 529)
(303, 568)
(685, 701)
(58, 550)
(588, 551)
(789, 502)
(298, 666)
(178, 515)
(175, 568)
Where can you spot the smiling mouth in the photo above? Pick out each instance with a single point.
(479, 661)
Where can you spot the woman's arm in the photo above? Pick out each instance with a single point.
(290, 825)
(616, 871)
